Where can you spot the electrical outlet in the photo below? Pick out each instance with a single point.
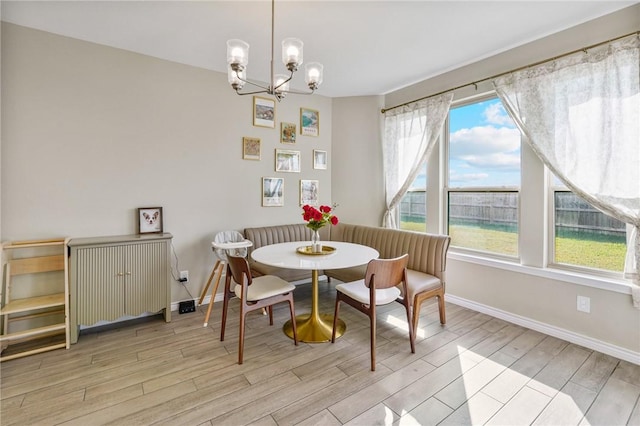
(584, 304)
(184, 276)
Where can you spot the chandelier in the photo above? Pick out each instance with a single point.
(238, 57)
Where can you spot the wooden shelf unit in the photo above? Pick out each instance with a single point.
(19, 259)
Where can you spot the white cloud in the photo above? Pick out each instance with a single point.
(484, 140)
(466, 177)
(496, 114)
(494, 160)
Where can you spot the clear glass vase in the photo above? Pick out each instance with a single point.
(316, 246)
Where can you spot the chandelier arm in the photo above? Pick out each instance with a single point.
(283, 83)
(255, 92)
(265, 88)
(299, 92)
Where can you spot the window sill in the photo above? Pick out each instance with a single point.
(602, 283)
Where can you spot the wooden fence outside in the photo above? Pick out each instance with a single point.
(501, 209)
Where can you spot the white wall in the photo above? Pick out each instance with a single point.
(91, 133)
(357, 183)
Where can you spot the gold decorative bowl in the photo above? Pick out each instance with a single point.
(309, 250)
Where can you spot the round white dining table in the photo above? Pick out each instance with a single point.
(314, 327)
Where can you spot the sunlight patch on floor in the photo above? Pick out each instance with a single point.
(403, 325)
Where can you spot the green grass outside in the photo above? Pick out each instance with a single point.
(596, 252)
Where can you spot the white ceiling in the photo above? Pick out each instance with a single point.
(367, 47)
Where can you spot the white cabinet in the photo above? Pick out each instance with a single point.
(113, 277)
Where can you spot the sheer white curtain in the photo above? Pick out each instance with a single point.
(581, 115)
(410, 132)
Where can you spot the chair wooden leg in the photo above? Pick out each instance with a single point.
(294, 327)
(443, 318)
(372, 319)
(412, 333)
(241, 340)
(415, 314)
(335, 318)
(270, 308)
(243, 317)
(225, 306)
(220, 266)
(206, 287)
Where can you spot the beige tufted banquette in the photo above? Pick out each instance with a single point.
(427, 256)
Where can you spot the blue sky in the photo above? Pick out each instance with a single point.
(484, 147)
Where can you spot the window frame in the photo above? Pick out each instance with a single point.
(447, 189)
(551, 237)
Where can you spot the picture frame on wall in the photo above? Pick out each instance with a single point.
(287, 132)
(264, 112)
(309, 192)
(309, 122)
(319, 159)
(272, 192)
(150, 220)
(250, 148)
(287, 161)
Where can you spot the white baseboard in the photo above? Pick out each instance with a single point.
(560, 333)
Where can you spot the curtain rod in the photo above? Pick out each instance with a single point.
(475, 83)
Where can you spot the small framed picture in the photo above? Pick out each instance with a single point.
(250, 148)
(149, 220)
(264, 112)
(319, 159)
(309, 192)
(272, 192)
(287, 132)
(309, 122)
(287, 161)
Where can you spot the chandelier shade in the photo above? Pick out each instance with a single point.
(292, 53)
(313, 74)
(278, 86)
(237, 54)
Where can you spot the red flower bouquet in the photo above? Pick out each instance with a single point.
(317, 218)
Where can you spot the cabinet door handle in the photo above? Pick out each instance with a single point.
(128, 273)
(120, 274)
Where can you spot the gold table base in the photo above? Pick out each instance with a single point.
(314, 329)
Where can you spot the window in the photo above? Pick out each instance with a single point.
(584, 236)
(483, 178)
(478, 203)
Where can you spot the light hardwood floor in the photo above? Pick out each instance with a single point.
(475, 370)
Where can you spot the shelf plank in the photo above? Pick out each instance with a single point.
(36, 243)
(32, 332)
(32, 303)
(33, 351)
(33, 265)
